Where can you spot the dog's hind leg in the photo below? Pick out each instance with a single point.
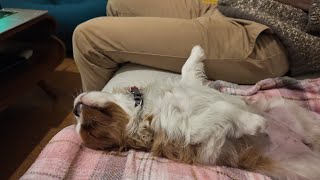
(193, 69)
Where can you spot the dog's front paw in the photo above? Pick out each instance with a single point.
(255, 125)
(198, 52)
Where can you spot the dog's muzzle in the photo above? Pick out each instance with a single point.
(77, 109)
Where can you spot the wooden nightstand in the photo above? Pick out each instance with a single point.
(48, 53)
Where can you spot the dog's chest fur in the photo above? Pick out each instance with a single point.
(182, 109)
(186, 114)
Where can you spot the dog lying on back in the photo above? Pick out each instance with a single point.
(185, 120)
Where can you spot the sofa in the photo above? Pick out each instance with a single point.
(68, 13)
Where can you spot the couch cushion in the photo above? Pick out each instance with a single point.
(136, 75)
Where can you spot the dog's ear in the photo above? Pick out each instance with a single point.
(116, 113)
(145, 132)
(103, 127)
(174, 148)
(141, 134)
(107, 115)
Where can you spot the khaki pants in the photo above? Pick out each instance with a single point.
(161, 34)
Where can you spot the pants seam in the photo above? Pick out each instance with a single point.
(180, 57)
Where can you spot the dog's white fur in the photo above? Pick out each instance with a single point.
(188, 109)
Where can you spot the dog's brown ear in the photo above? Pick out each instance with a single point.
(145, 131)
(117, 113)
(103, 127)
(118, 120)
(175, 149)
(142, 135)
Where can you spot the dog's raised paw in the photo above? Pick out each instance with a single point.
(198, 52)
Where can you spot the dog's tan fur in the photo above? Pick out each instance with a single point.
(104, 128)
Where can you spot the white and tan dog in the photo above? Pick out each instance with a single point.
(187, 121)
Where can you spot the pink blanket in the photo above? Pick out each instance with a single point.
(65, 158)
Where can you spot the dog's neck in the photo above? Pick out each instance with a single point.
(137, 96)
(130, 99)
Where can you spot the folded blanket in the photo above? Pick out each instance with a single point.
(65, 158)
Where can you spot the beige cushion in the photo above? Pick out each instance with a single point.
(136, 75)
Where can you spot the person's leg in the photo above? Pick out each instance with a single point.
(243, 52)
(233, 54)
(267, 47)
(97, 75)
(101, 45)
(184, 9)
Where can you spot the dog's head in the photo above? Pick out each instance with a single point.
(102, 121)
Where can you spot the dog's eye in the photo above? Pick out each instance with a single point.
(92, 135)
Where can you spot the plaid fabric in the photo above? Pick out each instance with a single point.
(304, 92)
(65, 158)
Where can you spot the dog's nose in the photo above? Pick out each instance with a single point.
(77, 109)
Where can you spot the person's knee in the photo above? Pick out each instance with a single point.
(272, 67)
(83, 39)
(83, 34)
(270, 52)
(78, 38)
(77, 33)
(279, 65)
